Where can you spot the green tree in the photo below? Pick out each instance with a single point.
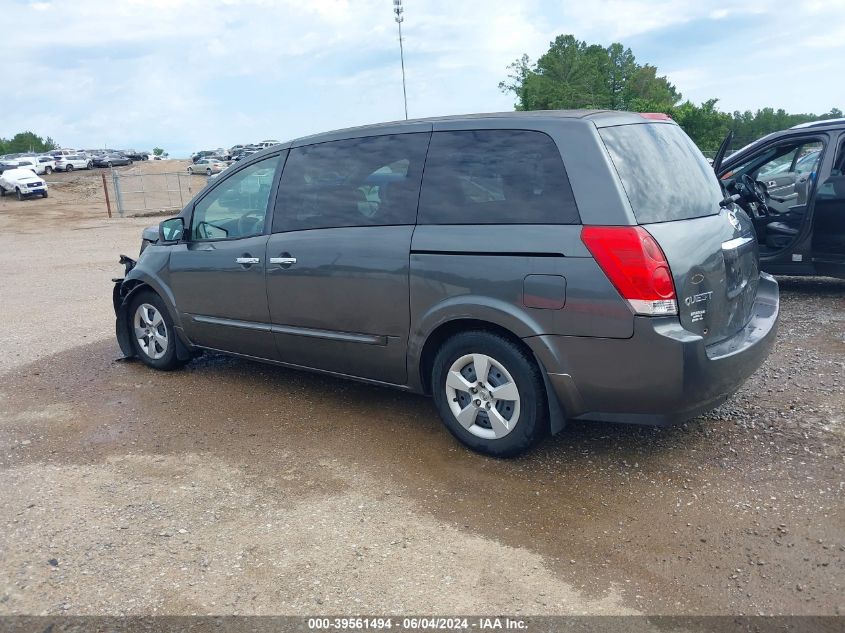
(574, 74)
(26, 142)
(157, 151)
(749, 126)
(704, 124)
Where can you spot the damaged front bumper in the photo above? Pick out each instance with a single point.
(124, 291)
(121, 296)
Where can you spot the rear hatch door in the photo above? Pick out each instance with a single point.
(675, 196)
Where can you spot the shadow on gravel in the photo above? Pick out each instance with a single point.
(816, 286)
(112, 402)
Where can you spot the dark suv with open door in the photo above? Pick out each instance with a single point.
(792, 185)
(523, 268)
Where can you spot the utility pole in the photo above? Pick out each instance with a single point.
(398, 10)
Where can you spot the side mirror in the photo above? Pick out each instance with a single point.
(171, 230)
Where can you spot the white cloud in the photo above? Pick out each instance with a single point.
(185, 74)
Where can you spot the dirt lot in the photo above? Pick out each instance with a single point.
(232, 487)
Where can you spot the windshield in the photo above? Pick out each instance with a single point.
(664, 174)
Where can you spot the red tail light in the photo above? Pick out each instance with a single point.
(635, 265)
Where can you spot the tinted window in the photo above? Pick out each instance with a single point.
(237, 206)
(664, 174)
(356, 182)
(495, 177)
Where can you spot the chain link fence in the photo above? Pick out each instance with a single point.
(137, 193)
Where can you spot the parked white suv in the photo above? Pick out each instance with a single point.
(73, 161)
(38, 164)
(46, 164)
(23, 182)
(28, 162)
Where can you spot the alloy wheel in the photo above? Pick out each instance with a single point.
(483, 396)
(150, 331)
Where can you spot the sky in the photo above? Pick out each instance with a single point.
(186, 75)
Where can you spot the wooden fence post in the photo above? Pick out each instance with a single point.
(106, 191)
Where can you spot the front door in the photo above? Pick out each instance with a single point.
(338, 258)
(217, 275)
(829, 219)
(788, 170)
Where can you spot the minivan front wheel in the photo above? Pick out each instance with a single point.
(152, 332)
(489, 393)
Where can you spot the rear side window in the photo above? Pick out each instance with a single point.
(371, 181)
(495, 177)
(664, 174)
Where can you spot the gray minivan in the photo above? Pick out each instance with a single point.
(523, 268)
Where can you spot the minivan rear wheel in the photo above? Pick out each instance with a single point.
(151, 329)
(489, 392)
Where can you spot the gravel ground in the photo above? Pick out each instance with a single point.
(233, 487)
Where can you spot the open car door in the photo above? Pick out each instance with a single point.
(723, 149)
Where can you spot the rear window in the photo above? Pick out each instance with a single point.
(495, 177)
(664, 174)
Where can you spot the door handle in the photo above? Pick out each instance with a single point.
(285, 262)
(247, 261)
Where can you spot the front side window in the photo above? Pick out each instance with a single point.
(793, 157)
(237, 206)
(787, 170)
(495, 177)
(371, 181)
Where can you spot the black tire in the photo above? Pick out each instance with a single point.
(18, 193)
(532, 421)
(69, 168)
(190, 171)
(208, 171)
(167, 361)
(2, 192)
(48, 170)
(110, 165)
(90, 165)
(44, 195)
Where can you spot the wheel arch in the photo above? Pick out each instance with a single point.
(442, 332)
(124, 292)
(434, 341)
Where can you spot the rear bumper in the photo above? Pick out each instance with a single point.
(663, 374)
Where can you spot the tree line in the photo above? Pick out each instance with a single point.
(26, 142)
(574, 74)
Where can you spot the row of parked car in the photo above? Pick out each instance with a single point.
(213, 162)
(19, 173)
(233, 154)
(69, 160)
